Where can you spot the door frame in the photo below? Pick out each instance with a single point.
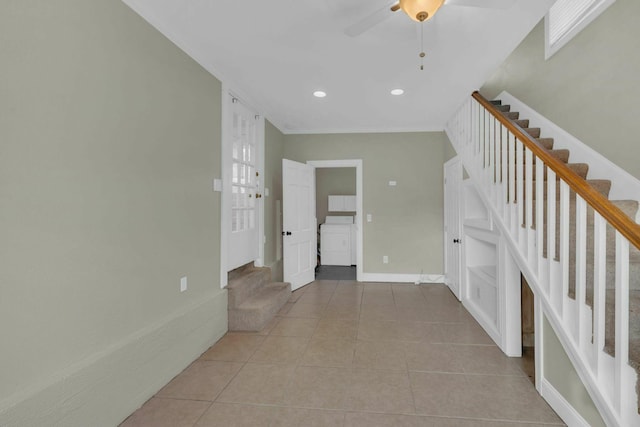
(225, 206)
(351, 163)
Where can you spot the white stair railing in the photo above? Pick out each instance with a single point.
(512, 173)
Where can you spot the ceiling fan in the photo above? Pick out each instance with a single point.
(419, 11)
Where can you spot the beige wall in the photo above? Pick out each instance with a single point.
(589, 87)
(559, 371)
(274, 147)
(110, 139)
(333, 181)
(407, 219)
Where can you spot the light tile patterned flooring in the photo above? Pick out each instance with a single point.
(347, 354)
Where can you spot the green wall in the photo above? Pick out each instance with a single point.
(407, 219)
(589, 87)
(274, 148)
(110, 139)
(561, 374)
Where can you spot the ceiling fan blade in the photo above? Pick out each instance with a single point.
(487, 4)
(369, 21)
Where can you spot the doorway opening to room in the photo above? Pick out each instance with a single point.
(301, 223)
(527, 311)
(336, 214)
(339, 219)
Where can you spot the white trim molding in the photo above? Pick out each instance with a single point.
(402, 278)
(564, 410)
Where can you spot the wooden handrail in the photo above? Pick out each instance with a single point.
(610, 212)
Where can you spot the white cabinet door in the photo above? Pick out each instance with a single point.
(335, 244)
(342, 203)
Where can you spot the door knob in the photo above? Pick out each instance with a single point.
(286, 233)
(457, 241)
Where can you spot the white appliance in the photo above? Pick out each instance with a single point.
(338, 241)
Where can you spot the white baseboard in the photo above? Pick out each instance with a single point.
(564, 410)
(402, 278)
(103, 389)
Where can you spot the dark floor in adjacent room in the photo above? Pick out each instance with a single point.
(335, 272)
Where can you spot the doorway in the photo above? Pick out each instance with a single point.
(242, 210)
(335, 213)
(351, 171)
(527, 313)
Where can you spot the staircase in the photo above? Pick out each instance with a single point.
(629, 207)
(571, 243)
(253, 298)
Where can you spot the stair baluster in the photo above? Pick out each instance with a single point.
(552, 238)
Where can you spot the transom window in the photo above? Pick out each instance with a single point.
(566, 18)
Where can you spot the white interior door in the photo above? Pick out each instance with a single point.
(244, 185)
(299, 227)
(452, 225)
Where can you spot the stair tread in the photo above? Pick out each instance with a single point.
(546, 142)
(534, 132)
(255, 272)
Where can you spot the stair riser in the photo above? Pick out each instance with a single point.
(255, 319)
(240, 289)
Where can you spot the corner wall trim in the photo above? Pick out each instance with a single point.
(564, 410)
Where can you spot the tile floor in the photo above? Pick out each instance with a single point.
(347, 354)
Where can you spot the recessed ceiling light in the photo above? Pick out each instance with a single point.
(397, 92)
(319, 94)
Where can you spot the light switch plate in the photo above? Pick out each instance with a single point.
(392, 183)
(217, 185)
(369, 217)
(183, 284)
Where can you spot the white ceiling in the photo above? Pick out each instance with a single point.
(274, 54)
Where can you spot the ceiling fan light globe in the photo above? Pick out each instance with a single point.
(416, 9)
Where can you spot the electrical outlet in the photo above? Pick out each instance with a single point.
(385, 259)
(183, 284)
